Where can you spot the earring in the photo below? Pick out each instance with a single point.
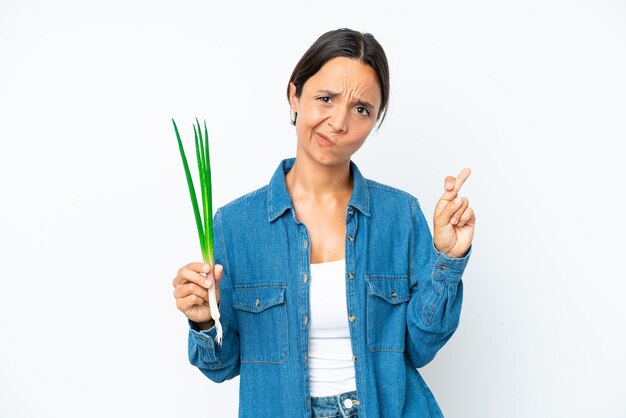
(293, 116)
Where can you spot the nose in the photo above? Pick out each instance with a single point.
(338, 120)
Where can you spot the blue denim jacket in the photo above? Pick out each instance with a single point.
(406, 297)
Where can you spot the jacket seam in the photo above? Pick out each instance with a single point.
(376, 185)
(227, 264)
(247, 196)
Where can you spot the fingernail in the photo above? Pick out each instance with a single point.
(205, 267)
(453, 221)
(457, 200)
(208, 283)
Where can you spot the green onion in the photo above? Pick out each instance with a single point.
(205, 229)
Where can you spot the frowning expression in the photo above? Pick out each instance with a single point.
(337, 109)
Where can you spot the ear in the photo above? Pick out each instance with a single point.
(293, 100)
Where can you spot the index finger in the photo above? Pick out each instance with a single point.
(458, 182)
(460, 179)
(191, 273)
(198, 267)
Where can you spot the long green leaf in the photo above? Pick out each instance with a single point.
(206, 197)
(192, 191)
(209, 229)
(198, 142)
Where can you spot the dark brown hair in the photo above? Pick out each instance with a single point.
(344, 43)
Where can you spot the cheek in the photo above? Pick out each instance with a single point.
(360, 131)
(311, 115)
(362, 128)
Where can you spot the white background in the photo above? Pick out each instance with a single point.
(96, 218)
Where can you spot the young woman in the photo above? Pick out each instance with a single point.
(331, 289)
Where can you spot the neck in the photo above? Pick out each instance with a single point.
(310, 179)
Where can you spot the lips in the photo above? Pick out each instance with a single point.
(323, 140)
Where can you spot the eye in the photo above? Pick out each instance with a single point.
(324, 99)
(362, 111)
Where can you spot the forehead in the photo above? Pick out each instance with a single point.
(348, 76)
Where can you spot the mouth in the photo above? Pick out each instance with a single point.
(323, 140)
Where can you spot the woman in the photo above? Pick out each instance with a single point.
(331, 290)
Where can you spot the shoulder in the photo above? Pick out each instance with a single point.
(392, 196)
(256, 199)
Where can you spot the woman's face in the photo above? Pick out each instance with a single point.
(337, 110)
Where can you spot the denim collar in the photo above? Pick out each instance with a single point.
(279, 199)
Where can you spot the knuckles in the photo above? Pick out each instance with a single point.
(189, 287)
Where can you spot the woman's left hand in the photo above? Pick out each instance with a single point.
(454, 220)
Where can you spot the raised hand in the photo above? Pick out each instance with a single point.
(454, 220)
(190, 290)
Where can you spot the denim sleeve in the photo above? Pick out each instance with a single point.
(436, 294)
(218, 363)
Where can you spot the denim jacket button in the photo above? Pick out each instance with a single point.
(354, 359)
(352, 318)
(306, 320)
(351, 238)
(305, 277)
(350, 276)
(305, 244)
(347, 403)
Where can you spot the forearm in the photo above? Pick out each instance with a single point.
(435, 306)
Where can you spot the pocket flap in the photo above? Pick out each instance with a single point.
(258, 297)
(393, 289)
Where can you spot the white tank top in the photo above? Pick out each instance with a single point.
(331, 369)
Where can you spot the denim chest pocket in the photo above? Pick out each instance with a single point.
(387, 301)
(262, 317)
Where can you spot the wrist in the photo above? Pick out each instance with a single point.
(203, 326)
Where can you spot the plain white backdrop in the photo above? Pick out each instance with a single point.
(96, 218)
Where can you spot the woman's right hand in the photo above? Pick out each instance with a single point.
(191, 290)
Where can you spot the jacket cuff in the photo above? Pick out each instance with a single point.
(446, 268)
(203, 338)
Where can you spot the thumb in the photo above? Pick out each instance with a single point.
(218, 273)
(449, 210)
(214, 276)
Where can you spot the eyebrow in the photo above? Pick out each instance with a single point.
(359, 102)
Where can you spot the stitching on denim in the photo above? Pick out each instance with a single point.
(427, 315)
(277, 298)
(412, 245)
(270, 207)
(246, 286)
(219, 223)
(401, 279)
(386, 276)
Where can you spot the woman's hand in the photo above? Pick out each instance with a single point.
(454, 220)
(191, 290)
